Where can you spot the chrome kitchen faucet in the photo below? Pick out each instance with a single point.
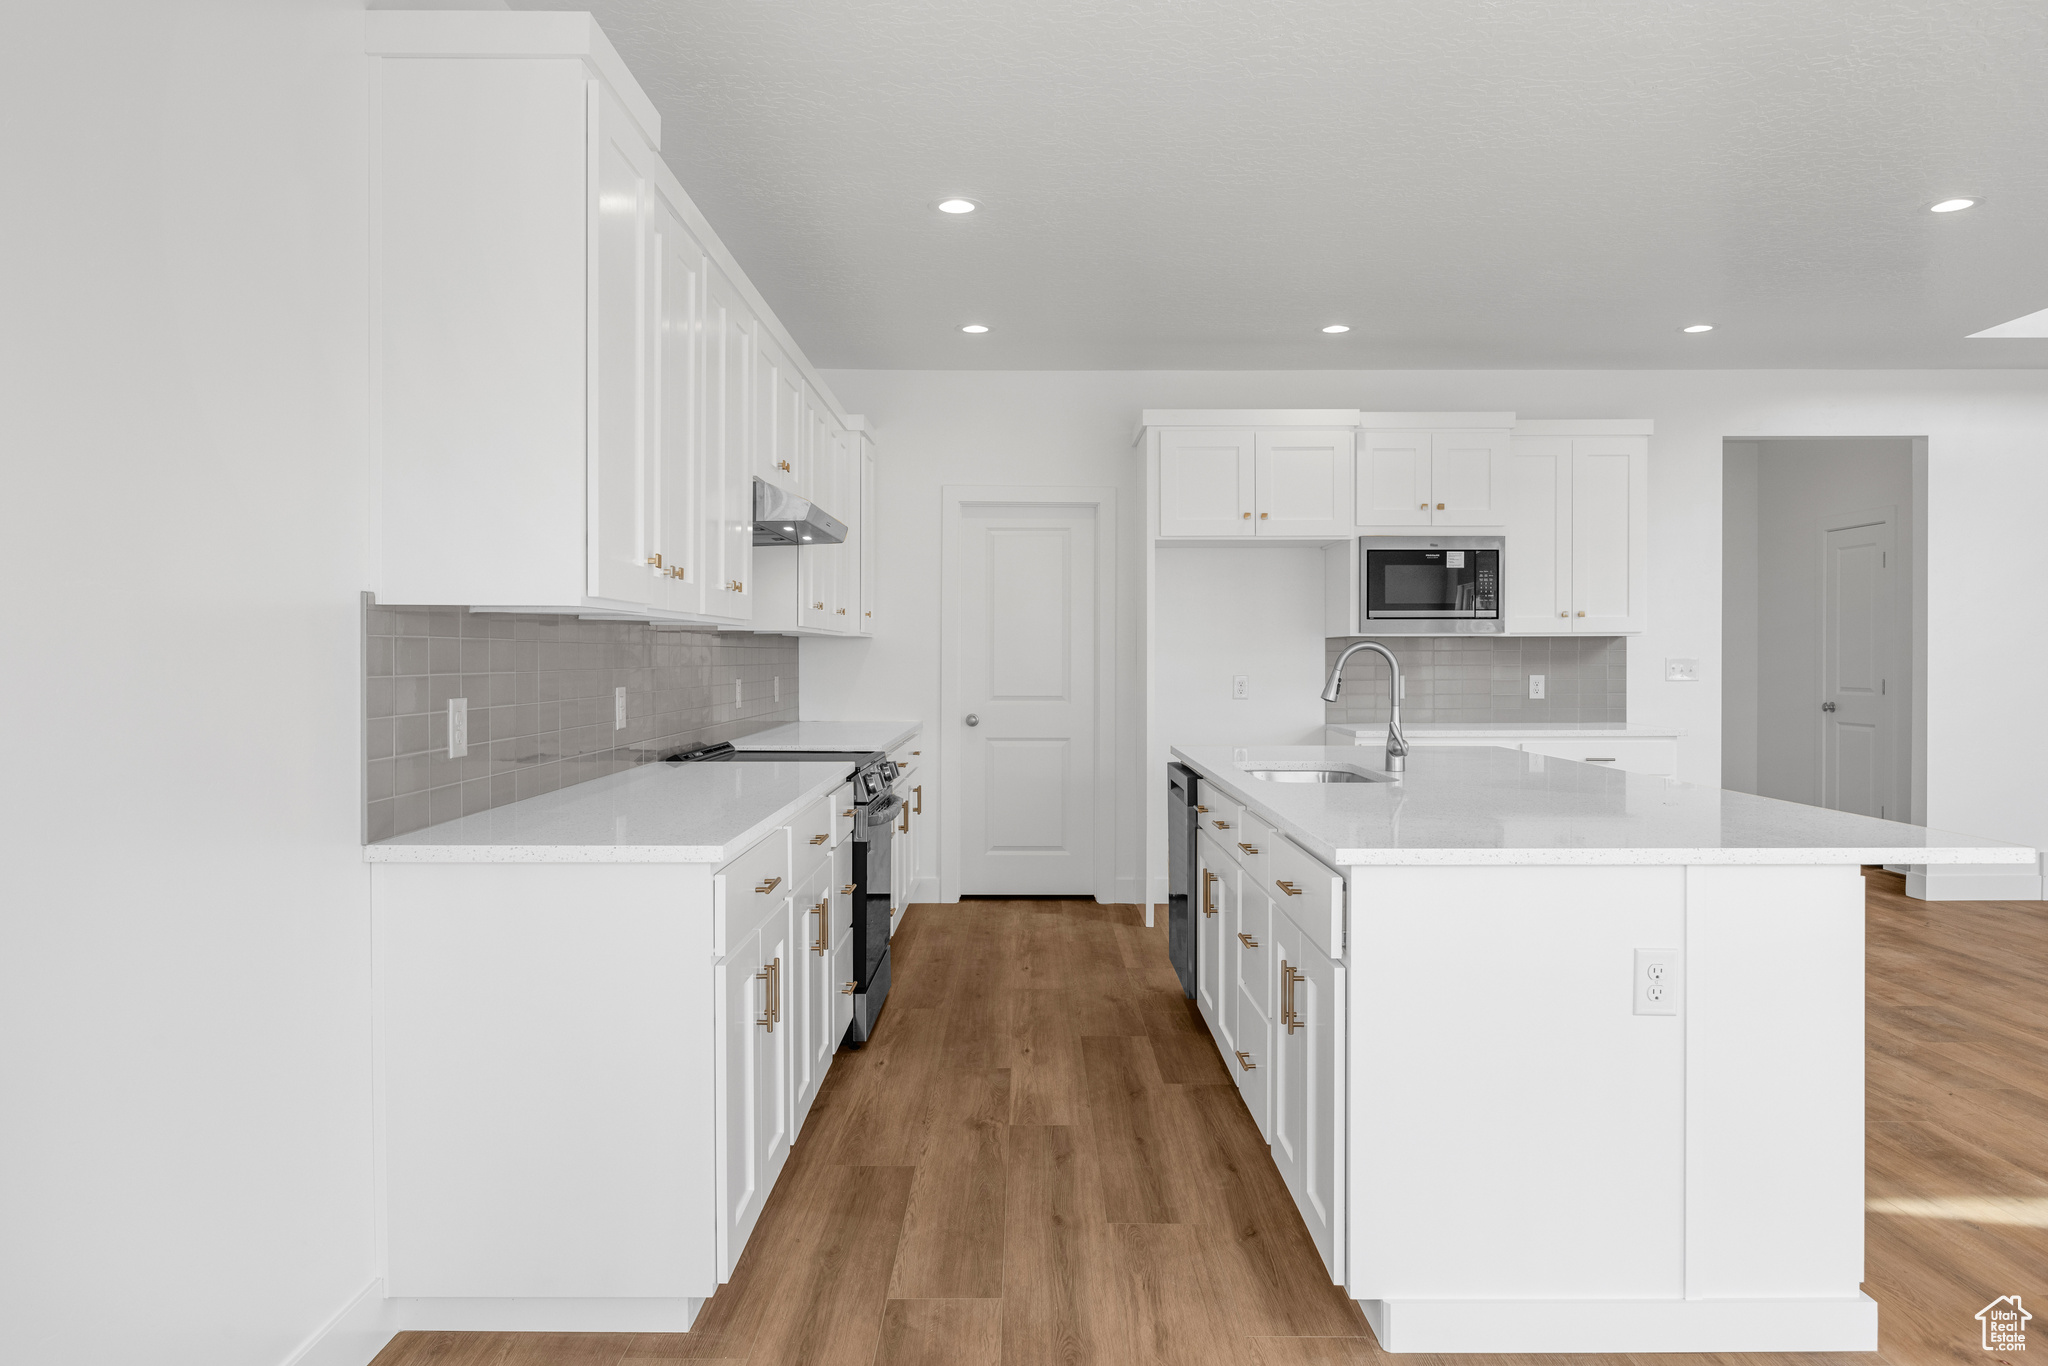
(1397, 743)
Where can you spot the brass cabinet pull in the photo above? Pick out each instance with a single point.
(1247, 940)
(770, 885)
(919, 790)
(655, 559)
(1201, 809)
(1264, 515)
(1439, 507)
(847, 812)
(1284, 885)
(849, 889)
(846, 989)
(1582, 614)
(1423, 506)
(904, 828)
(777, 965)
(917, 751)
(1248, 848)
(817, 607)
(1247, 516)
(1221, 825)
(1564, 614)
(1208, 902)
(819, 839)
(1244, 1059)
(841, 611)
(783, 466)
(1289, 975)
(771, 995)
(820, 947)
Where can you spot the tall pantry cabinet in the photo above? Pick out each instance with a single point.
(574, 386)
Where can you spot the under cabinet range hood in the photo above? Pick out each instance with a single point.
(783, 518)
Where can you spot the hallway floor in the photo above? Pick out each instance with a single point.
(1040, 1159)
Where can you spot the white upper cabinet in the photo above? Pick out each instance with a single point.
(870, 529)
(1393, 479)
(1577, 523)
(574, 385)
(1205, 483)
(1301, 483)
(1430, 478)
(1610, 512)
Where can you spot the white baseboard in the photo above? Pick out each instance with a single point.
(1128, 889)
(623, 1315)
(1978, 882)
(355, 1335)
(1525, 1326)
(925, 889)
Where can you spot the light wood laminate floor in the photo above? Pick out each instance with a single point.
(1040, 1159)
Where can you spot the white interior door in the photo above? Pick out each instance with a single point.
(1859, 641)
(1025, 575)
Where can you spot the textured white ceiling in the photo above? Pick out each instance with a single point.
(1205, 183)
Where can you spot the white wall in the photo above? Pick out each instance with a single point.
(1987, 442)
(1220, 613)
(1798, 484)
(184, 954)
(1738, 615)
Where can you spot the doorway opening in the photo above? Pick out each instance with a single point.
(1823, 631)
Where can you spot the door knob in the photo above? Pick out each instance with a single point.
(972, 719)
(1827, 706)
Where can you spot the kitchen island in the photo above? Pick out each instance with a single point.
(1553, 1057)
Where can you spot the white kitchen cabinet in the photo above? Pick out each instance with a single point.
(835, 1000)
(748, 1074)
(573, 382)
(1214, 874)
(1577, 533)
(1301, 483)
(1206, 483)
(870, 533)
(1250, 950)
(1307, 1087)
(809, 907)
(1435, 478)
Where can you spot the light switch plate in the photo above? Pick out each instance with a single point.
(1656, 982)
(618, 708)
(458, 727)
(1535, 687)
(1681, 671)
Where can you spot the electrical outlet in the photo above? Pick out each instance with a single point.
(1535, 687)
(458, 727)
(1656, 982)
(738, 701)
(1241, 686)
(618, 708)
(1681, 671)
(777, 682)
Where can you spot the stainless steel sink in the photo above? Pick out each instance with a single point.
(1316, 775)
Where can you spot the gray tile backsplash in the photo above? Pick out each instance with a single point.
(1469, 678)
(541, 707)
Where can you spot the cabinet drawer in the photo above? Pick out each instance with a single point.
(1252, 946)
(1309, 894)
(908, 755)
(842, 815)
(1253, 844)
(1638, 755)
(810, 836)
(748, 888)
(1251, 1062)
(1220, 818)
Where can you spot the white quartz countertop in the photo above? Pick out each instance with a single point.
(850, 735)
(1548, 730)
(656, 813)
(1481, 805)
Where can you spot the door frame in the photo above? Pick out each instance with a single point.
(1899, 780)
(953, 498)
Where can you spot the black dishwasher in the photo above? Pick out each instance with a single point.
(1181, 788)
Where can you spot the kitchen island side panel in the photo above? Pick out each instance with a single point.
(1774, 1081)
(1517, 1130)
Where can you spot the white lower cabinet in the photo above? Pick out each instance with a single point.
(1214, 873)
(802, 974)
(1308, 1086)
(753, 1137)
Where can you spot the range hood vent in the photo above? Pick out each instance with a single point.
(782, 518)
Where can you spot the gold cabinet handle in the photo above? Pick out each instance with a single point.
(1284, 885)
(817, 607)
(783, 466)
(842, 611)
(1564, 614)
(849, 889)
(1244, 1059)
(679, 572)
(847, 812)
(1247, 516)
(917, 751)
(904, 828)
(1439, 507)
(768, 886)
(1264, 515)
(1208, 902)
(1423, 506)
(1582, 614)
(919, 790)
(1247, 940)
(819, 839)
(846, 988)
(1248, 848)
(1221, 825)
(1201, 809)
(771, 996)
(819, 946)
(655, 560)
(1289, 1016)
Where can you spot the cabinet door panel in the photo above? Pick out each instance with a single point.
(1464, 483)
(619, 331)
(1302, 483)
(1393, 479)
(1537, 490)
(742, 1186)
(1205, 483)
(1307, 1100)
(727, 507)
(677, 425)
(1252, 1064)
(802, 971)
(776, 1125)
(1213, 867)
(870, 540)
(1610, 502)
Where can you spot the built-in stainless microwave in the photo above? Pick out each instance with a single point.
(1430, 585)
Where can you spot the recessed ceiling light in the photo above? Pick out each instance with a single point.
(1698, 327)
(975, 329)
(1951, 205)
(957, 206)
(1335, 328)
